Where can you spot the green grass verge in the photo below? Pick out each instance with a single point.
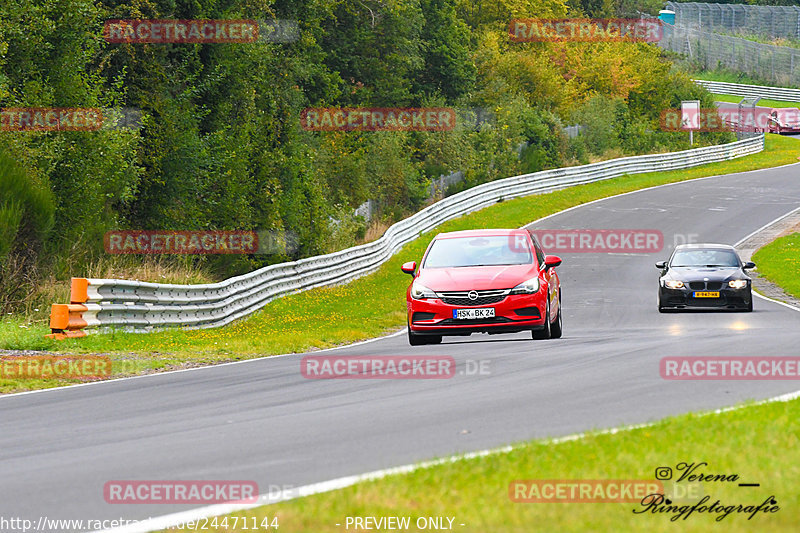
(755, 443)
(762, 103)
(368, 307)
(779, 262)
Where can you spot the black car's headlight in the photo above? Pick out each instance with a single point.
(673, 284)
(420, 291)
(527, 287)
(737, 283)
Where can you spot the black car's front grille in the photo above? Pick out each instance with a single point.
(705, 286)
(481, 297)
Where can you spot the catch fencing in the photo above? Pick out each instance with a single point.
(776, 64)
(766, 21)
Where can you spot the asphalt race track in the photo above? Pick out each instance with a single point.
(261, 420)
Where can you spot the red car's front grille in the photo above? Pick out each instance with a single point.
(477, 322)
(479, 297)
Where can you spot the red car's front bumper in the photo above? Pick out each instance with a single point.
(516, 312)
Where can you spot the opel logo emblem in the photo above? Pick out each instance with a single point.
(472, 295)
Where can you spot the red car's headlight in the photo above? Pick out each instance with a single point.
(420, 291)
(527, 287)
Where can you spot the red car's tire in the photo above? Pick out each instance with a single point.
(421, 340)
(556, 328)
(546, 333)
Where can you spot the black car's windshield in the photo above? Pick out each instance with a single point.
(704, 258)
(479, 251)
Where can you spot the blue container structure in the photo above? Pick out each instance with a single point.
(667, 16)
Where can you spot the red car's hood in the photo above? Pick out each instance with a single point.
(476, 278)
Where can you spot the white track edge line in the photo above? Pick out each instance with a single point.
(206, 367)
(173, 519)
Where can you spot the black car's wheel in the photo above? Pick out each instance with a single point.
(749, 308)
(541, 334)
(556, 329)
(661, 308)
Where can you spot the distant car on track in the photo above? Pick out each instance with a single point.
(710, 276)
(494, 281)
(784, 120)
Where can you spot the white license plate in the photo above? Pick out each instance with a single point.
(483, 312)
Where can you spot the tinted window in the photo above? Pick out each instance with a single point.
(479, 251)
(705, 258)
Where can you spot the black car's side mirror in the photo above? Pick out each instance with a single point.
(749, 264)
(661, 264)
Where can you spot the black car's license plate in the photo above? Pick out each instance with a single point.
(706, 294)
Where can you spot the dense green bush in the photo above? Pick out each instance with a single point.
(27, 214)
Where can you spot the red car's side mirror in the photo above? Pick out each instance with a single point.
(409, 268)
(551, 261)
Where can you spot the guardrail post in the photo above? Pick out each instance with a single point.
(66, 320)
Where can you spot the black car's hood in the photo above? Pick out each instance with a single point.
(705, 273)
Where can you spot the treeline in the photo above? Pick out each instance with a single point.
(220, 144)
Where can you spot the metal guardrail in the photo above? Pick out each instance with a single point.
(142, 307)
(751, 91)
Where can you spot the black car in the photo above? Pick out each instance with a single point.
(704, 276)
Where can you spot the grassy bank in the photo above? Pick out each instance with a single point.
(367, 307)
(779, 262)
(475, 492)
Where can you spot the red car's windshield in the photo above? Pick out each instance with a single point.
(493, 250)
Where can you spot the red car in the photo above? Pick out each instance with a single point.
(784, 120)
(493, 281)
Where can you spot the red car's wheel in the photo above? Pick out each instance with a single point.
(421, 340)
(546, 333)
(556, 329)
